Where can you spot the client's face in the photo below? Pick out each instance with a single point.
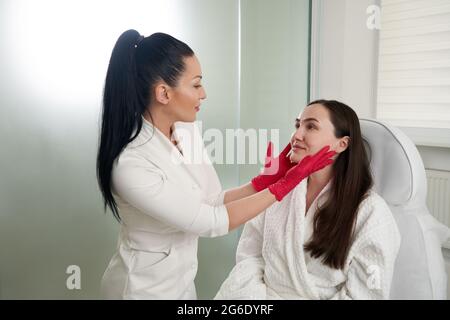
(313, 131)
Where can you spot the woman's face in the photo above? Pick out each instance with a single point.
(186, 97)
(313, 131)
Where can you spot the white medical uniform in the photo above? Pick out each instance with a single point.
(165, 202)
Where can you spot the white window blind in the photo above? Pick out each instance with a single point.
(414, 63)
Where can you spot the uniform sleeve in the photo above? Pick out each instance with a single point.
(147, 189)
(372, 263)
(246, 279)
(216, 200)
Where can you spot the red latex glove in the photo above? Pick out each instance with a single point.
(303, 169)
(274, 168)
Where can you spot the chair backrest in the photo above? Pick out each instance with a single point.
(400, 178)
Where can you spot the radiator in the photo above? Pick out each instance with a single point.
(438, 196)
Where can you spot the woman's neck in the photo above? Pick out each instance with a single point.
(319, 179)
(316, 182)
(160, 121)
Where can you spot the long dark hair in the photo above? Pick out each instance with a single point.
(136, 64)
(335, 220)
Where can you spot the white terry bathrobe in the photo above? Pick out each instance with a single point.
(166, 201)
(272, 264)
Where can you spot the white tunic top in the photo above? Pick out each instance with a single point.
(272, 264)
(165, 204)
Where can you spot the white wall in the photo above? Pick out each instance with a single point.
(343, 59)
(344, 66)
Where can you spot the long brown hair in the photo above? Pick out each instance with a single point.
(335, 220)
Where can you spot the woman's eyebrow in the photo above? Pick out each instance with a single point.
(306, 120)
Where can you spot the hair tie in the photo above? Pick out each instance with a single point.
(139, 41)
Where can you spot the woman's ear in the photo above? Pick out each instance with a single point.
(162, 93)
(342, 144)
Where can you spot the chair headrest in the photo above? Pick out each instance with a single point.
(397, 168)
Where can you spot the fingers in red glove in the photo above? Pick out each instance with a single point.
(303, 169)
(274, 168)
(269, 153)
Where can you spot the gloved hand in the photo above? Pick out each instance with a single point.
(303, 169)
(274, 168)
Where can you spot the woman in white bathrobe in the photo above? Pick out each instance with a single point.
(332, 237)
(163, 201)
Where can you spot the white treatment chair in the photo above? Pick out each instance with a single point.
(399, 177)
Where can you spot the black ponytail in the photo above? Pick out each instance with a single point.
(136, 64)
